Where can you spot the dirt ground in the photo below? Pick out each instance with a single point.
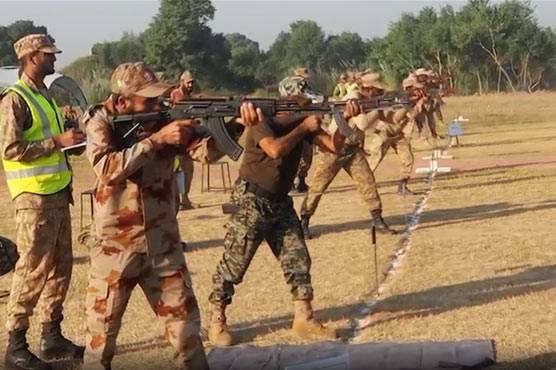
(480, 264)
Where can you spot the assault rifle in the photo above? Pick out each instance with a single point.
(284, 114)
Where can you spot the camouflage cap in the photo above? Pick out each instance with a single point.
(302, 72)
(35, 42)
(411, 81)
(187, 77)
(137, 79)
(371, 80)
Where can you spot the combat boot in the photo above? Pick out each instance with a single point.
(403, 189)
(195, 359)
(186, 203)
(302, 186)
(379, 224)
(219, 333)
(18, 356)
(53, 345)
(305, 227)
(306, 326)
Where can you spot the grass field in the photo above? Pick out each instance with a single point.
(481, 263)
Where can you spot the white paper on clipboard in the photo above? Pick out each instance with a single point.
(80, 145)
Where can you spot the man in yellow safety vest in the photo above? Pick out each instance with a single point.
(39, 177)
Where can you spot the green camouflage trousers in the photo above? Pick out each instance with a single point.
(327, 167)
(164, 279)
(306, 160)
(259, 219)
(44, 267)
(402, 147)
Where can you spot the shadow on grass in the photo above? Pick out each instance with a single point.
(446, 298)
(498, 168)
(246, 332)
(429, 302)
(544, 361)
(509, 142)
(480, 212)
(425, 303)
(492, 182)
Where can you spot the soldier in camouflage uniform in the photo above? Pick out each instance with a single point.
(394, 131)
(135, 225)
(135, 222)
(264, 211)
(184, 91)
(432, 108)
(39, 180)
(352, 159)
(298, 84)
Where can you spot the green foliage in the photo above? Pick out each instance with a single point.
(245, 57)
(484, 46)
(92, 76)
(178, 39)
(10, 34)
(129, 48)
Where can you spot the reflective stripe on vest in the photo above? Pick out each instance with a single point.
(36, 171)
(45, 123)
(47, 174)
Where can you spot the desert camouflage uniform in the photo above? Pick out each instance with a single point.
(138, 243)
(352, 160)
(258, 219)
(393, 134)
(43, 225)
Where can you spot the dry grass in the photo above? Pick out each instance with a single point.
(482, 263)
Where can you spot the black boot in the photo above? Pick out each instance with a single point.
(18, 356)
(305, 227)
(403, 189)
(54, 346)
(379, 224)
(186, 204)
(302, 185)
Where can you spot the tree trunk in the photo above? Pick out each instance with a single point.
(479, 84)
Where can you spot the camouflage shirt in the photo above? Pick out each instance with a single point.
(15, 117)
(134, 191)
(135, 188)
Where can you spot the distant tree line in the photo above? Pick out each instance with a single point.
(483, 47)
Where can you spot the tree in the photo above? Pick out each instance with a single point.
(245, 57)
(179, 39)
(306, 45)
(129, 48)
(344, 51)
(10, 34)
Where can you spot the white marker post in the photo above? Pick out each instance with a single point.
(455, 130)
(433, 164)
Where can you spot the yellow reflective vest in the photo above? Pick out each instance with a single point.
(50, 173)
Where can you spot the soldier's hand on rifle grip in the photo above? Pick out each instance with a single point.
(249, 116)
(312, 123)
(352, 109)
(176, 133)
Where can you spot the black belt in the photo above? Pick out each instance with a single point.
(258, 191)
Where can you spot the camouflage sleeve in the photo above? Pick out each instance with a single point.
(14, 115)
(205, 151)
(111, 165)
